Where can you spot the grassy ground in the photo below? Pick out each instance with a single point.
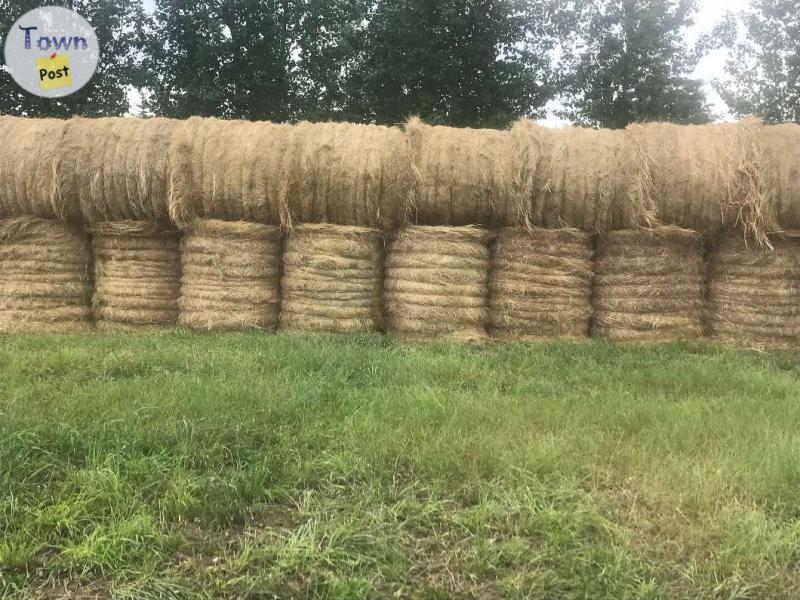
(185, 466)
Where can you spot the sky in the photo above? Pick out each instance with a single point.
(710, 68)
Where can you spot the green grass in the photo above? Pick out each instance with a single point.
(182, 466)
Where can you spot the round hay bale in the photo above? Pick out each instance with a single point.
(783, 147)
(465, 176)
(230, 275)
(754, 293)
(44, 276)
(649, 285)
(332, 279)
(437, 282)
(706, 177)
(337, 173)
(540, 284)
(137, 275)
(29, 170)
(584, 178)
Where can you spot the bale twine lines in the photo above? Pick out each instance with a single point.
(649, 285)
(541, 283)
(44, 276)
(437, 282)
(754, 293)
(137, 275)
(230, 275)
(332, 278)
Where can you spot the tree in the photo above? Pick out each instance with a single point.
(120, 27)
(627, 61)
(459, 62)
(254, 59)
(764, 66)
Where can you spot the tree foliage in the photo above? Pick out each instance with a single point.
(121, 28)
(628, 61)
(763, 70)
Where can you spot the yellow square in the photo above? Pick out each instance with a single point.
(54, 72)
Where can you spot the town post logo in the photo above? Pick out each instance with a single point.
(51, 52)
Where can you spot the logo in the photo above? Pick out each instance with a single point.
(51, 52)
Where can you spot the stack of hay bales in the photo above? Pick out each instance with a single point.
(706, 177)
(332, 278)
(230, 275)
(339, 173)
(29, 166)
(468, 176)
(583, 178)
(541, 284)
(437, 282)
(115, 169)
(137, 275)
(44, 276)
(649, 285)
(754, 293)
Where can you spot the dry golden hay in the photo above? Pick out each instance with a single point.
(137, 275)
(336, 173)
(437, 282)
(332, 278)
(783, 146)
(585, 179)
(44, 276)
(29, 164)
(649, 285)
(466, 176)
(706, 177)
(541, 283)
(116, 169)
(754, 293)
(231, 275)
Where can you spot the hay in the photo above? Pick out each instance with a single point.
(29, 163)
(137, 275)
(754, 293)
(44, 276)
(116, 169)
(230, 275)
(332, 279)
(585, 179)
(467, 176)
(706, 177)
(649, 285)
(540, 284)
(783, 151)
(336, 173)
(437, 282)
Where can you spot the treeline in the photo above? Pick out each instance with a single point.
(476, 63)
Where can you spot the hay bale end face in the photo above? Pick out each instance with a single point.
(44, 276)
(332, 279)
(649, 285)
(541, 284)
(754, 293)
(437, 282)
(230, 275)
(137, 275)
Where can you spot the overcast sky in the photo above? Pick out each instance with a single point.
(711, 67)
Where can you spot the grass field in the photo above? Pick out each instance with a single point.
(182, 466)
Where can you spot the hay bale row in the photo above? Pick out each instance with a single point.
(437, 282)
(754, 293)
(230, 275)
(137, 275)
(44, 276)
(541, 284)
(649, 285)
(332, 279)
